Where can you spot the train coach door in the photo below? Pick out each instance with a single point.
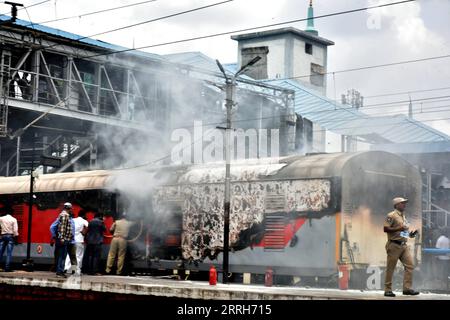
(380, 188)
(367, 196)
(166, 228)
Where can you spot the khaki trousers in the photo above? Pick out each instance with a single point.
(118, 247)
(397, 252)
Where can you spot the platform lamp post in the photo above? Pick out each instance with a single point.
(230, 85)
(54, 162)
(28, 262)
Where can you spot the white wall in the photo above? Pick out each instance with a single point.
(302, 61)
(275, 57)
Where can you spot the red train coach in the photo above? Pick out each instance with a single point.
(83, 189)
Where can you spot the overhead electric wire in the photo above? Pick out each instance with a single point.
(35, 4)
(254, 28)
(407, 101)
(362, 68)
(145, 22)
(434, 109)
(157, 19)
(405, 92)
(396, 93)
(98, 11)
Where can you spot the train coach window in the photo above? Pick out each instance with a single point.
(46, 201)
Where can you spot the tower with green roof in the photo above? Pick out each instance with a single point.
(287, 53)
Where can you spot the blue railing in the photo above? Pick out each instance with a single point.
(435, 250)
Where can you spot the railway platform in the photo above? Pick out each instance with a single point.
(39, 285)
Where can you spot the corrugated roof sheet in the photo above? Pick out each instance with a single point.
(345, 120)
(202, 61)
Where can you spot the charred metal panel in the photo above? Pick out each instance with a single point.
(202, 209)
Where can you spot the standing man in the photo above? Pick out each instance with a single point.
(397, 228)
(63, 238)
(54, 233)
(118, 247)
(76, 248)
(94, 240)
(9, 233)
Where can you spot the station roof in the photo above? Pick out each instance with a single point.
(345, 120)
(200, 60)
(333, 116)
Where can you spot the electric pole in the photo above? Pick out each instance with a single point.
(230, 85)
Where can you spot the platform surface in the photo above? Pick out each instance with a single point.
(186, 289)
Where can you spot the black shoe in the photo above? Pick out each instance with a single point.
(389, 294)
(410, 292)
(61, 275)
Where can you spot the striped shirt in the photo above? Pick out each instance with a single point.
(65, 231)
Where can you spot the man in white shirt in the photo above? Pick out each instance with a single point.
(443, 261)
(81, 225)
(8, 225)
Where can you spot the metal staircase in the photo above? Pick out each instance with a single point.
(21, 162)
(433, 215)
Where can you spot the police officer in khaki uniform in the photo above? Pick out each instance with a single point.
(397, 229)
(118, 247)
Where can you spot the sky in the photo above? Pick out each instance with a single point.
(409, 31)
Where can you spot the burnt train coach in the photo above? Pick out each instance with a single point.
(298, 215)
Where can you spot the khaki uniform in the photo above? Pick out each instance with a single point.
(397, 248)
(118, 247)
